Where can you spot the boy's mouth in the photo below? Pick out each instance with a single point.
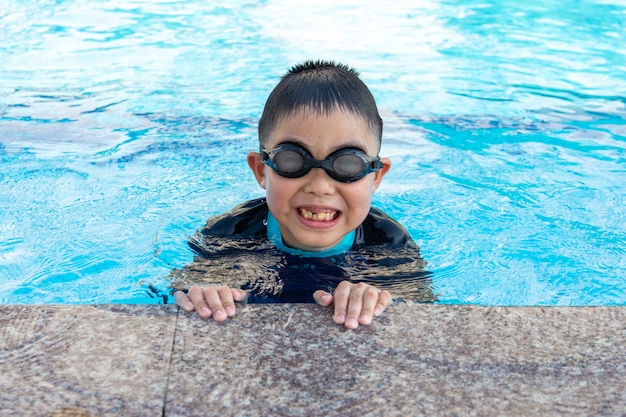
(319, 215)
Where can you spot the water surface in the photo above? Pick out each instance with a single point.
(124, 125)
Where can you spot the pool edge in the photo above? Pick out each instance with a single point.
(99, 360)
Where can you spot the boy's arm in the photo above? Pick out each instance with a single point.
(354, 303)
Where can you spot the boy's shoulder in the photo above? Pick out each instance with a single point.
(246, 220)
(379, 228)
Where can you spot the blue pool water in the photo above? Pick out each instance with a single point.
(124, 125)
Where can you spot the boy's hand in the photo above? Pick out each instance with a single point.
(354, 303)
(218, 303)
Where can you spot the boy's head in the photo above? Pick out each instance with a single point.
(319, 87)
(320, 137)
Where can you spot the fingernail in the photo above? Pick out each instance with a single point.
(340, 318)
(351, 323)
(204, 311)
(230, 310)
(377, 311)
(219, 315)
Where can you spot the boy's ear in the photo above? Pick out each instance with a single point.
(258, 167)
(378, 175)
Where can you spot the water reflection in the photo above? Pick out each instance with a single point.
(273, 276)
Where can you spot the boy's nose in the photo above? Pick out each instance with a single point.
(319, 183)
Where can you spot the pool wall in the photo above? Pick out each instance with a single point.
(112, 360)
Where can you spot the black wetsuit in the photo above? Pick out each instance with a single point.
(233, 249)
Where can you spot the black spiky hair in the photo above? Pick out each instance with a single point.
(322, 87)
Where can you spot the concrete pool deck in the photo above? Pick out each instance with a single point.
(291, 360)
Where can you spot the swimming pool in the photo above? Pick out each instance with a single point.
(124, 125)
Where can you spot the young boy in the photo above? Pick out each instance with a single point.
(320, 134)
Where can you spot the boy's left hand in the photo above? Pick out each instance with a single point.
(354, 303)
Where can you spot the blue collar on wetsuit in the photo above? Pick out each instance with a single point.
(273, 234)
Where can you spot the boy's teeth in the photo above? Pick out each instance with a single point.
(324, 216)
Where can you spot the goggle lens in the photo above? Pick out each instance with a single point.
(288, 161)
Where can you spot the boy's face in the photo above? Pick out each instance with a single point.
(315, 211)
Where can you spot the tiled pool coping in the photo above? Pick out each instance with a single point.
(291, 360)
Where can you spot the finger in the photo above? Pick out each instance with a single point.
(239, 295)
(213, 298)
(370, 300)
(340, 298)
(184, 301)
(323, 298)
(196, 295)
(227, 299)
(384, 300)
(355, 304)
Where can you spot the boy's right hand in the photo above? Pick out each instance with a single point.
(216, 302)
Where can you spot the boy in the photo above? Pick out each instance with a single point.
(320, 134)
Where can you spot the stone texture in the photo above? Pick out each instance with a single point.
(292, 360)
(84, 360)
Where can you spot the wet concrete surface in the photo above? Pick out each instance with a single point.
(292, 360)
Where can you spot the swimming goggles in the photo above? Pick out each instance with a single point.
(344, 165)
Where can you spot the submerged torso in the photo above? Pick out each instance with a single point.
(234, 250)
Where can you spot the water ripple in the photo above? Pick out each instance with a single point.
(124, 127)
